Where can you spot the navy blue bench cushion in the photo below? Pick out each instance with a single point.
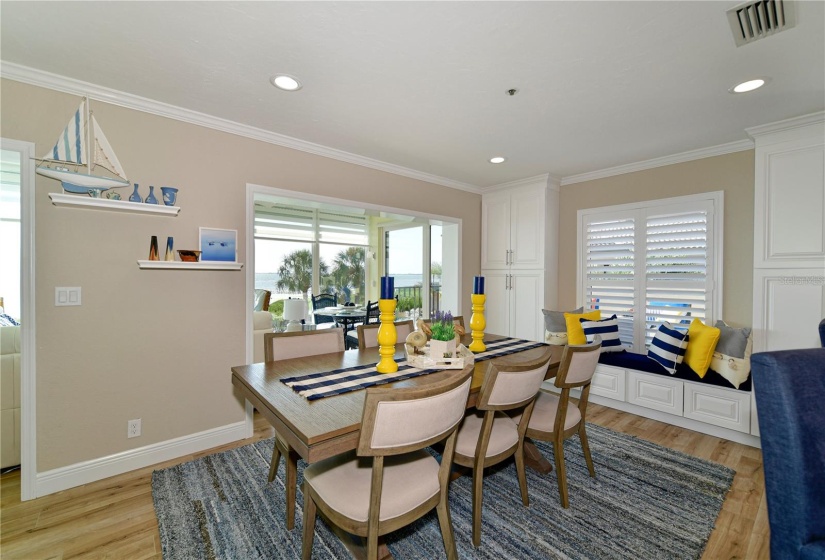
(640, 362)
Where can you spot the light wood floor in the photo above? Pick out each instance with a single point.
(115, 519)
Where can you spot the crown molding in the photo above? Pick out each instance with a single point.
(32, 76)
(720, 150)
(787, 124)
(545, 180)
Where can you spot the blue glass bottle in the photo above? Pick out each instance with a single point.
(135, 197)
(151, 198)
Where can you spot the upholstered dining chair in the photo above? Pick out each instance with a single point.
(554, 420)
(284, 346)
(487, 436)
(320, 302)
(368, 334)
(371, 317)
(402, 482)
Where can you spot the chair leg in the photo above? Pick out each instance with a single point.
(290, 484)
(561, 473)
(446, 524)
(309, 526)
(372, 546)
(276, 458)
(586, 450)
(522, 477)
(478, 481)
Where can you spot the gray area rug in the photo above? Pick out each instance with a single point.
(645, 502)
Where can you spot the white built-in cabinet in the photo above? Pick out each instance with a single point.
(519, 225)
(789, 235)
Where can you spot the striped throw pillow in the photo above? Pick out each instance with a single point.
(608, 329)
(668, 347)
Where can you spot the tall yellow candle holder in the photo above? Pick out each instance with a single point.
(478, 323)
(387, 336)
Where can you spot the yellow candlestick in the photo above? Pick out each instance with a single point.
(387, 336)
(478, 323)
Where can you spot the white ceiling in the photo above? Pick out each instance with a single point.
(423, 84)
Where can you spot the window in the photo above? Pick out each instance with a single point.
(301, 250)
(652, 262)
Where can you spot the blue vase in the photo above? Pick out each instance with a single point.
(135, 196)
(151, 198)
(169, 195)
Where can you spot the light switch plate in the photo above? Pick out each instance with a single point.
(67, 296)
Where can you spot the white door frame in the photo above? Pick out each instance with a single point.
(28, 394)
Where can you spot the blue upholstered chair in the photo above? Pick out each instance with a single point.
(790, 394)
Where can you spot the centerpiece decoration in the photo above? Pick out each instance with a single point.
(477, 321)
(442, 343)
(387, 336)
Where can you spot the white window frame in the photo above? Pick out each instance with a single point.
(715, 248)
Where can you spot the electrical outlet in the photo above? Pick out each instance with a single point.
(133, 428)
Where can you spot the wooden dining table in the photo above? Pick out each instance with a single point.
(316, 430)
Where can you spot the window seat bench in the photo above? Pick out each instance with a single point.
(634, 383)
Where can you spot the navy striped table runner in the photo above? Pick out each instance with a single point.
(315, 386)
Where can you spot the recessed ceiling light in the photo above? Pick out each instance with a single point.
(498, 159)
(286, 83)
(750, 85)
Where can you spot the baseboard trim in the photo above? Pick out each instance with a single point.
(55, 480)
(680, 421)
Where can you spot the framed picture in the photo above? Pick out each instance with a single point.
(219, 244)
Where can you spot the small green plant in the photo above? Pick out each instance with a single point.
(442, 326)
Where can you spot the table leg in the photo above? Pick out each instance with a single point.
(534, 459)
(290, 484)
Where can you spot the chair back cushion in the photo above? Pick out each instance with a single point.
(790, 388)
(369, 333)
(515, 387)
(402, 420)
(287, 345)
(578, 364)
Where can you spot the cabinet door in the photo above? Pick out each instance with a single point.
(527, 209)
(495, 231)
(497, 306)
(526, 300)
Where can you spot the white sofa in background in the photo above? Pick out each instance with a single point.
(261, 324)
(9, 396)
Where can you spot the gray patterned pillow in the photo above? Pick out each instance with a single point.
(732, 341)
(554, 320)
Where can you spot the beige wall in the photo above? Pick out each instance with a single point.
(158, 345)
(732, 173)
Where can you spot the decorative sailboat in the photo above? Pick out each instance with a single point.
(83, 146)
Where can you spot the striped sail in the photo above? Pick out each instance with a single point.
(71, 145)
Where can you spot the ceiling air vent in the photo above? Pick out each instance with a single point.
(756, 20)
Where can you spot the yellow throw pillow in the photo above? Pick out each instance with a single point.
(575, 332)
(702, 341)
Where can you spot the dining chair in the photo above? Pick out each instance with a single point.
(554, 420)
(403, 481)
(368, 334)
(487, 436)
(284, 346)
(371, 317)
(320, 302)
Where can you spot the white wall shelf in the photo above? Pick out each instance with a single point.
(79, 201)
(181, 265)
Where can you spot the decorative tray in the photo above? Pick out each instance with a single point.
(424, 360)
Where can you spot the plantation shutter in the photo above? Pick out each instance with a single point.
(677, 267)
(649, 264)
(610, 284)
